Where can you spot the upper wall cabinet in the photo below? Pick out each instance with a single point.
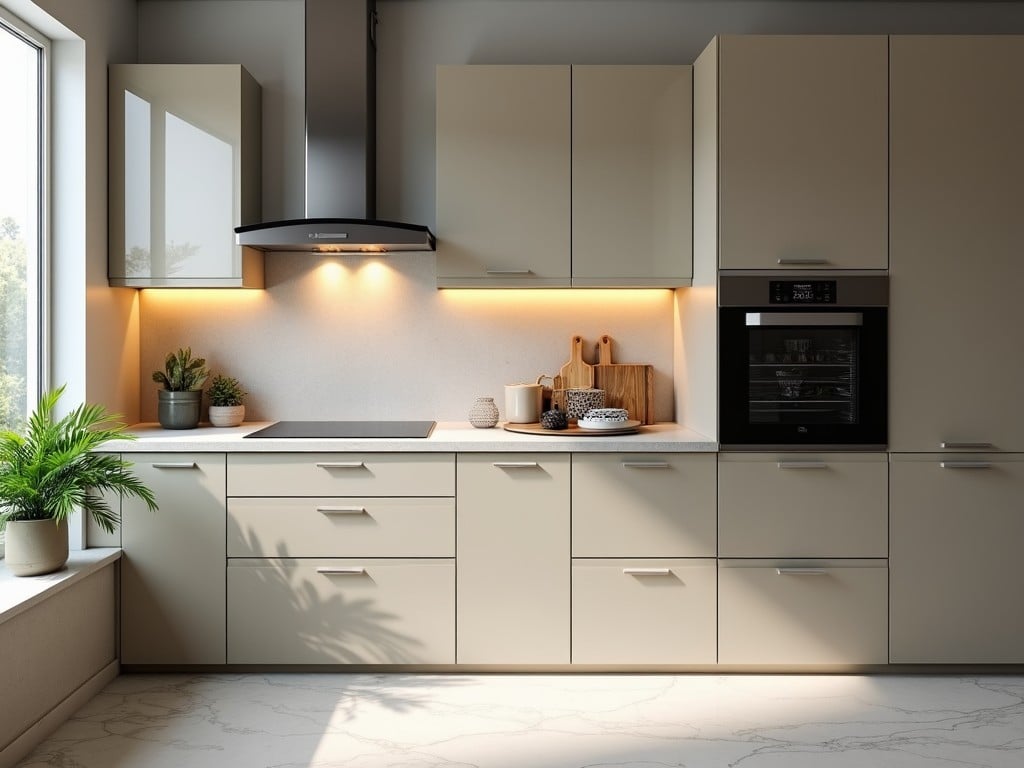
(184, 160)
(802, 150)
(564, 176)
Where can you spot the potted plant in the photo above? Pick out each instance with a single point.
(227, 401)
(53, 468)
(182, 394)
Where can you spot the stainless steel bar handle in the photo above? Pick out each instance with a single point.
(967, 446)
(844, 319)
(802, 262)
(965, 464)
(515, 464)
(801, 571)
(174, 465)
(340, 464)
(645, 464)
(342, 510)
(509, 271)
(802, 465)
(341, 571)
(647, 571)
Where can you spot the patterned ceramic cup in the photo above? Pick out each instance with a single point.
(579, 401)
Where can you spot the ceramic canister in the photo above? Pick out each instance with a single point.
(523, 403)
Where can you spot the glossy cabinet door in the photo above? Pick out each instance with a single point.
(513, 584)
(503, 176)
(803, 151)
(184, 172)
(956, 234)
(632, 175)
(172, 573)
(956, 579)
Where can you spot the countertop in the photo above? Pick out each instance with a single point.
(447, 437)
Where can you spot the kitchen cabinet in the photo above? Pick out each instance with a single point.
(955, 570)
(564, 176)
(513, 581)
(955, 277)
(184, 170)
(791, 143)
(172, 571)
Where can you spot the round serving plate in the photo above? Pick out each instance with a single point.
(574, 430)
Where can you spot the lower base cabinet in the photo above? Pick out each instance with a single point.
(341, 611)
(811, 612)
(643, 611)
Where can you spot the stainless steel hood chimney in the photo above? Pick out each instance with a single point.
(341, 126)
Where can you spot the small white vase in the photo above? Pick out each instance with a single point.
(35, 547)
(484, 413)
(227, 415)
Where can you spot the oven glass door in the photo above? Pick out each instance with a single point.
(803, 377)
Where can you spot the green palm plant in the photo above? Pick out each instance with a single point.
(53, 468)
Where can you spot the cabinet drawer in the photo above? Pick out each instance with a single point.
(341, 611)
(802, 505)
(634, 505)
(341, 527)
(341, 474)
(802, 612)
(643, 611)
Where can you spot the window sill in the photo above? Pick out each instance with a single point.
(19, 593)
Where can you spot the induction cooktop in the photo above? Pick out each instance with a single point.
(350, 429)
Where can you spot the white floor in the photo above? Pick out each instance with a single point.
(542, 721)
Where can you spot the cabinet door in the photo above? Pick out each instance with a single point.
(632, 175)
(803, 152)
(513, 558)
(503, 175)
(172, 573)
(956, 579)
(956, 229)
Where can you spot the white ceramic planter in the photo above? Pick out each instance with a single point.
(227, 415)
(35, 547)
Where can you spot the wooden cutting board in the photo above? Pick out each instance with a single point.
(628, 385)
(576, 374)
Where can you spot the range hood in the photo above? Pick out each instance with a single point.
(341, 125)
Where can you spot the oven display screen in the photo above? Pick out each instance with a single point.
(802, 292)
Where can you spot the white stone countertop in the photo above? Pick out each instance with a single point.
(447, 437)
(19, 593)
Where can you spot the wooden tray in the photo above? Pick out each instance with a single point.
(627, 428)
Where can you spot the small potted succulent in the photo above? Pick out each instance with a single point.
(227, 401)
(181, 398)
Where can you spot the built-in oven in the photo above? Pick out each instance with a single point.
(803, 361)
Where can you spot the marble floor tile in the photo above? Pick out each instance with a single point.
(543, 721)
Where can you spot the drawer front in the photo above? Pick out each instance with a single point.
(795, 613)
(634, 505)
(341, 527)
(341, 474)
(793, 505)
(643, 611)
(341, 612)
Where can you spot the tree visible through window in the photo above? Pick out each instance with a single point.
(21, 216)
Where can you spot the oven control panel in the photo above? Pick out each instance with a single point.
(802, 292)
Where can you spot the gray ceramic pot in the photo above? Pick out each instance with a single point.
(35, 547)
(179, 410)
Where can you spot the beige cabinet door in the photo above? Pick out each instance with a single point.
(803, 152)
(512, 549)
(172, 572)
(643, 611)
(956, 234)
(956, 579)
(503, 175)
(632, 175)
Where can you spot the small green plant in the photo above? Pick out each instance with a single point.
(54, 467)
(226, 391)
(182, 372)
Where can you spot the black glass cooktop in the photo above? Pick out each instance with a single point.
(329, 429)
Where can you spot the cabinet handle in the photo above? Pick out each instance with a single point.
(509, 271)
(802, 465)
(647, 571)
(515, 464)
(342, 510)
(340, 464)
(342, 571)
(967, 446)
(965, 464)
(174, 465)
(801, 572)
(802, 262)
(645, 464)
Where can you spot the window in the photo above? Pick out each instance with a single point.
(22, 217)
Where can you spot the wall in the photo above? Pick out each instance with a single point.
(345, 339)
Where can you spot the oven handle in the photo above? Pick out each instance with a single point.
(806, 318)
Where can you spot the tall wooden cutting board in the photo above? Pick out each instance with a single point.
(628, 385)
